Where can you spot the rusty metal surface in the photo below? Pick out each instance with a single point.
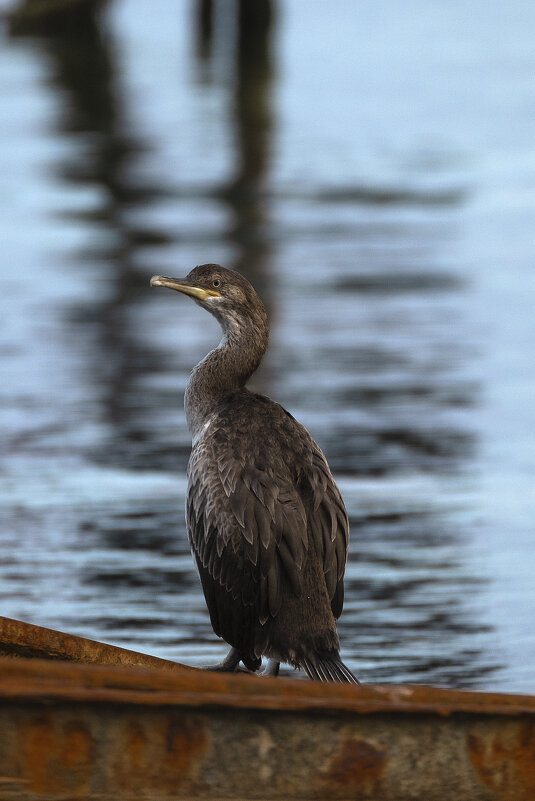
(75, 731)
(24, 640)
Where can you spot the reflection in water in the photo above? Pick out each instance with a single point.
(412, 603)
(205, 28)
(250, 100)
(373, 349)
(83, 70)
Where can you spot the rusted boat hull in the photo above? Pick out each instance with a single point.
(82, 731)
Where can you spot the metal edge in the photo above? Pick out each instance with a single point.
(43, 681)
(24, 640)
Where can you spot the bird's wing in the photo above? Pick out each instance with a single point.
(328, 524)
(247, 525)
(251, 522)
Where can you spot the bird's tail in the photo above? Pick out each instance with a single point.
(327, 668)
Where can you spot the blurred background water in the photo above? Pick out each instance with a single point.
(371, 169)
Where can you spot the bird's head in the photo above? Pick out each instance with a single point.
(225, 293)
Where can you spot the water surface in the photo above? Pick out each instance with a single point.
(373, 173)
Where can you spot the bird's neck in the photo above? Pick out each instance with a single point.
(225, 369)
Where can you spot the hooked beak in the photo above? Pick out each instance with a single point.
(183, 285)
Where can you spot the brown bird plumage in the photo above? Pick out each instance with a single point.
(266, 522)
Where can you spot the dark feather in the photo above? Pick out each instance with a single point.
(291, 567)
(274, 588)
(328, 668)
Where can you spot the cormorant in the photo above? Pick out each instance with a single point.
(266, 522)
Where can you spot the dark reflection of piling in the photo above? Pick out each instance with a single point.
(205, 28)
(252, 130)
(57, 18)
(250, 84)
(81, 54)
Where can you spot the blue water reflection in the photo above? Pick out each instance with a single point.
(375, 181)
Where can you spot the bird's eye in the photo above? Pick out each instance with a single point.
(216, 282)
